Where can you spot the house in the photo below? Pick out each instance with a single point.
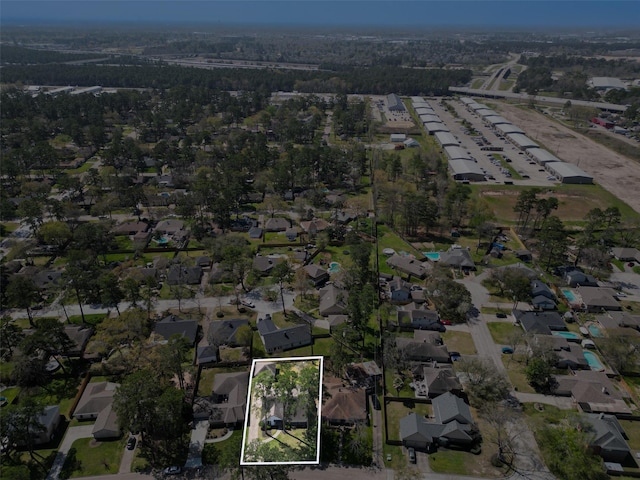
(130, 228)
(523, 255)
(173, 325)
(318, 275)
(539, 322)
(228, 399)
(541, 302)
(459, 258)
(572, 357)
(243, 224)
(597, 299)
(399, 290)
(539, 288)
(224, 332)
(343, 405)
(408, 265)
(431, 381)
(333, 301)
(170, 227)
(291, 234)
(49, 419)
(613, 320)
(576, 278)
(277, 224)
(343, 216)
(608, 438)
(203, 261)
(452, 425)
(626, 254)
(417, 318)
(592, 392)
(206, 354)
(79, 336)
(264, 265)
(96, 404)
(422, 350)
(364, 374)
(278, 340)
(315, 226)
(255, 233)
(180, 275)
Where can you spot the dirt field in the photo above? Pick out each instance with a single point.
(616, 173)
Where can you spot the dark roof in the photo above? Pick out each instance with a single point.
(47, 277)
(333, 300)
(459, 257)
(255, 232)
(223, 332)
(344, 404)
(608, 433)
(179, 274)
(265, 264)
(541, 288)
(316, 272)
(206, 354)
(172, 325)
(284, 338)
(95, 398)
(408, 265)
(540, 322)
(447, 408)
(229, 397)
(277, 224)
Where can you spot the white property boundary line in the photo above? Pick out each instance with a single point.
(320, 360)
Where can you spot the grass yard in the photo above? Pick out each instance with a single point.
(206, 381)
(90, 318)
(515, 370)
(632, 429)
(459, 462)
(98, 458)
(397, 410)
(574, 201)
(501, 331)
(460, 342)
(405, 392)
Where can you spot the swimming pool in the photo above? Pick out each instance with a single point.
(593, 361)
(569, 295)
(567, 335)
(434, 256)
(595, 331)
(161, 241)
(334, 267)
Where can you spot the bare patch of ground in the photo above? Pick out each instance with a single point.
(616, 173)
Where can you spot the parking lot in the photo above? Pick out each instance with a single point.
(479, 140)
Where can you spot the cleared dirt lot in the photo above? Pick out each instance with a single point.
(618, 174)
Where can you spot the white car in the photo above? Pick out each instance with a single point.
(247, 303)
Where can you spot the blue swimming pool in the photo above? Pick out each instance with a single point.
(162, 240)
(334, 267)
(434, 256)
(593, 360)
(595, 331)
(569, 295)
(567, 335)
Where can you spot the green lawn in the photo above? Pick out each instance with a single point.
(90, 318)
(397, 410)
(98, 458)
(206, 382)
(459, 342)
(501, 331)
(515, 370)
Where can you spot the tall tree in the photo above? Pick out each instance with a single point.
(23, 293)
(282, 274)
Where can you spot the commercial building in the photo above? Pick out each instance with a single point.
(568, 173)
(542, 156)
(433, 127)
(522, 141)
(446, 139)
(466, 170)
(394, 103)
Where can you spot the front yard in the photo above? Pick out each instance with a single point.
(95, 457)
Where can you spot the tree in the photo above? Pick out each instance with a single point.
(282, 273)
(81, 276)
(23, 293)
(49, 339)
(30, 371)
(452, 299)
(21, 426)
(110, 292)
(527, 200)
(55, 233)
(301, 281)
(568, 454)
(10, 337)
(131, 290)
(172, 357)
(553, 238)
(621, 351)
(484, 383)
(504, 426)
(539, 375)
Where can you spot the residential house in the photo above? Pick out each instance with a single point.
(318, 275)
(96, 403)
(224, 332)
(227, 405)
(364, 374)
(618, 320)
(343, 216)
(333, 301)
(264, 265)
(576, 278)
(173, 325)
(255, 233)
(539, 322)
(291, 234)
(542, 297)
(592, 392)
(243, 224)
(408, 265)
(79, 336)
(399, 290)
(459, 258)
(130, 228)
(415, 317)
(422, 350)
(523, 255)
(597, 299)
(180, 275)
(626, 254)
(279, 339)
(572, 357)
(49, 419)
(452, 425)
(277, 224)
(608, 438)
(315, 226)
(343, 405)
(432, 381)
(203, 261)
(206, 354)
(170, 227)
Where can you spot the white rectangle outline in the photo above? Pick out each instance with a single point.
(320, 358)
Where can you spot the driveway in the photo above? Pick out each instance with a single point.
(73, 434)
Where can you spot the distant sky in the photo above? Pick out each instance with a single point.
(339, 13)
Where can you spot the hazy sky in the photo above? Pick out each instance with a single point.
(416, 13)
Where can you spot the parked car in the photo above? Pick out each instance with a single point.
(175, 470)
(412, 455)
(507, 350)
(501, 315)
(455, 356)
(247, 303)
(630, 264)
(131, 443)
(445, 322)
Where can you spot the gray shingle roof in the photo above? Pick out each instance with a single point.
(172, 325)
(447, 408)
